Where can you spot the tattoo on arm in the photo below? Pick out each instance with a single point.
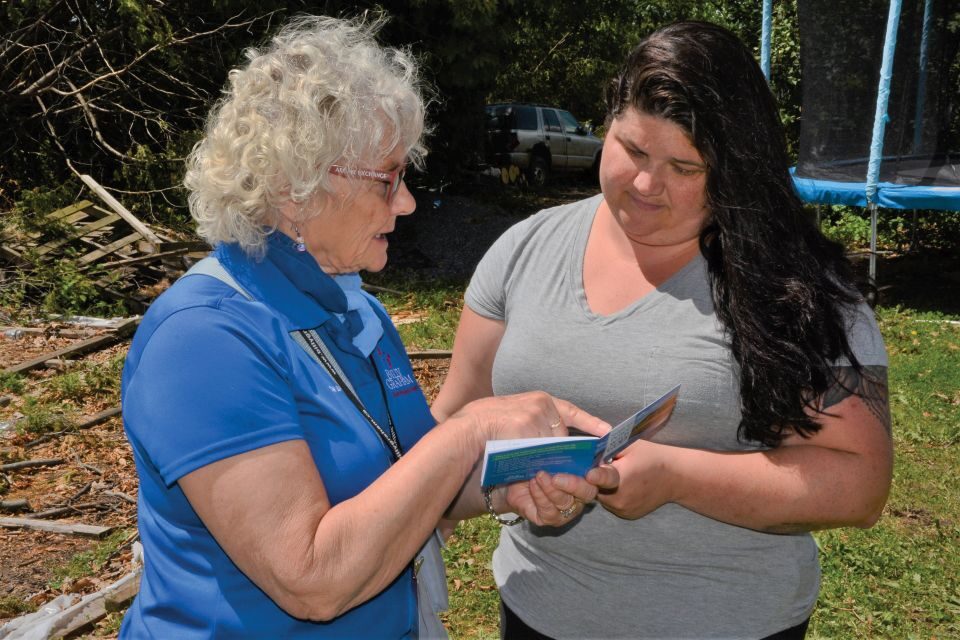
(870, 384)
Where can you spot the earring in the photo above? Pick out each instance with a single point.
(299, 244)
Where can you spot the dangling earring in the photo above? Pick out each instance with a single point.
(298, 244)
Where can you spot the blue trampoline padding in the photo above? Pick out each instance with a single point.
(889, 195)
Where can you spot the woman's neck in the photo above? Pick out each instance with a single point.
(618, 271)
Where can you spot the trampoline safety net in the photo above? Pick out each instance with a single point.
(841, 45)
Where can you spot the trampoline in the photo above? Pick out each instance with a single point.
(880, 118)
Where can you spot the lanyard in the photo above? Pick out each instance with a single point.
(314, 345)
(321, 354)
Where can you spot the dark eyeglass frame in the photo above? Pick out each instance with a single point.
(393, 179)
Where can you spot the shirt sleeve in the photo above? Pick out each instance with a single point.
(863, 334)
(487, 291)
(208, 385)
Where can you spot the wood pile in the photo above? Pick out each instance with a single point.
(129, 259)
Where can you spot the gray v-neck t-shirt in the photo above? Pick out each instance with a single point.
(672, 573)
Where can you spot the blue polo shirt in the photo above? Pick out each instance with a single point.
(211, 374)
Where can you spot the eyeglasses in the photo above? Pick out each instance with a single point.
(390, 178)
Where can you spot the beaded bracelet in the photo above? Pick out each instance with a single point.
(488, 500)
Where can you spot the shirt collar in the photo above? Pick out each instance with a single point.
(289, 281)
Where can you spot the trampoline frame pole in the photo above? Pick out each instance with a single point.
(879, 125)
(922, 75)
(765, 38)
(872, 208)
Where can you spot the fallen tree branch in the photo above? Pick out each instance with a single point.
(28, 464)
(15, 505)
(121, 495)
(54, 512)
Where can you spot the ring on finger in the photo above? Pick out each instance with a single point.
(555, 425)
(569, 511)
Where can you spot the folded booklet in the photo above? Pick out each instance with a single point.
(520, 459)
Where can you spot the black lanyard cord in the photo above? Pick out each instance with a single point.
(392, 441)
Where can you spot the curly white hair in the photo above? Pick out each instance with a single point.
(322, 92)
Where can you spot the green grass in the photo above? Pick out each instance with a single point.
(12, 382)
(441, 304)
(899, 579)
(473, 596)
(41, 417)
(12, 606)
(88, 563)
(93, 380)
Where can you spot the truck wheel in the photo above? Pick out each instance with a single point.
(593, 173)
(539, 172)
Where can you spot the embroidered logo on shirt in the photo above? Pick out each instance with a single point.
(397, 381)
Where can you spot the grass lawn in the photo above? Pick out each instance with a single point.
(899, 579)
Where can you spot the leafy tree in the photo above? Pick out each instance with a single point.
(91, 86)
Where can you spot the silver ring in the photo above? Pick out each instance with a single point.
(569, 511)
(555, 425)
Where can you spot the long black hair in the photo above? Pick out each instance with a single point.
(779, 286)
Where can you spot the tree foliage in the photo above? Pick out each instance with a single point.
(99, 86)
(119, 88)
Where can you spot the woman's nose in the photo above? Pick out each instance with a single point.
(403, 203)
(648, 180)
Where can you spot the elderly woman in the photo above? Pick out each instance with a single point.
(696, 265)
(290, 469)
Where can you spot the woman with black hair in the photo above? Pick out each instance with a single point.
(696, 265)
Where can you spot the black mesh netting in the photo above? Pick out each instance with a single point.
(841, 46)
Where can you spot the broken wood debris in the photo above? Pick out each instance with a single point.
(121, 211)
(109, 238)
(70, 528)
(65, 615)
(95, 343)
(15, 333)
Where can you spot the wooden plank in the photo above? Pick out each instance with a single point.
(95, 606)
(11, 253)
(60, 213)
(97, 418)
(429, 354)
(110, 248)
(63, 333)
(92, 344)
(69, 528)
(148, 258)
(75, 217)
(77, 232)
(120, 210)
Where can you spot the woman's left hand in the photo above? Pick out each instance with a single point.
(643, 467)
(557, 500)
